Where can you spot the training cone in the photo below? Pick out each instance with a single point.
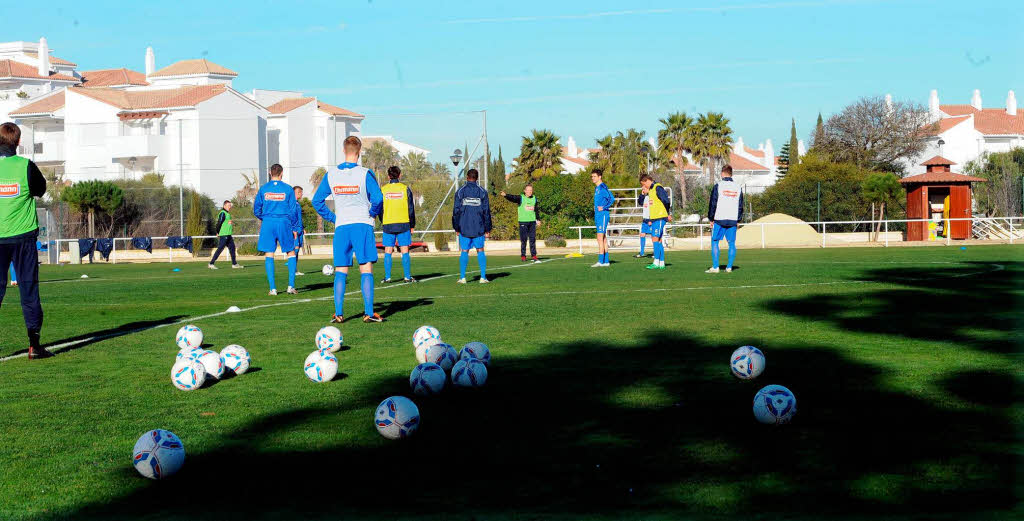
(233, 309)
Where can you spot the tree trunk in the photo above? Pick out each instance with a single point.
(319, 224)
(874, 224)
(92, 229)
(881, 216)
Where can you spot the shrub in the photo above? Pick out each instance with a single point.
(441, 241)
(247, 247)
(555, 241)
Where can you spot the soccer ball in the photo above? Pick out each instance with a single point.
(427, 379)
(774, 404)
(397, 417)
(329, 338)
(191, 354)
(476, 350)
(421, 350)
(747, 362)
(212, 363)
(327, 270)
(235, 358)
(189, 337)
(469, 372)
(158, 454)
(425, 334)
(188, 374)
(443, 355)
(320, 368)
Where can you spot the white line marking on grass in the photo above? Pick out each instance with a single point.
(68, 345)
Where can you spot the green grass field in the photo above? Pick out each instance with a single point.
(609, 393)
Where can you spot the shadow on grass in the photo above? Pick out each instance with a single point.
(393, 307)
(86, 339)
(655, 429)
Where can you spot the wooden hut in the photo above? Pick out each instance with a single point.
(942, 193)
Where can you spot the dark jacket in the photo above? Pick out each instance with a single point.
(472, 214)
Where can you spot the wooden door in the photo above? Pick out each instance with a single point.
(916, 197)
(960, 207)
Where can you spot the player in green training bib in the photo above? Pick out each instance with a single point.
(225, 230)
(529, 220)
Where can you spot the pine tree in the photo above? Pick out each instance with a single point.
(783, 167)
(794, 144)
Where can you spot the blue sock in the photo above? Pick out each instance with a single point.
(387, 265)
(293, 263)
(732, 253)
(268, 265)
(481, 260)
(643, 244)
(657, 251)
(463, 262)
(407, 265)
(340, 279)
(714, 254)
(367, 284)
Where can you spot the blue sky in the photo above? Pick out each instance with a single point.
(578, 68)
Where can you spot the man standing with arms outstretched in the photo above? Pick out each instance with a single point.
(603, 201)
(276, 208)
(20, 183)
(529, 220)
(725, 210)
(399, 222)
(471, 220)
(357, 202)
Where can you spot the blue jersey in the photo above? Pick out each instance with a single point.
(603, 198)
(276, 200)
(471, 216)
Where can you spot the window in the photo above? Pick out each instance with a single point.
(37, 148)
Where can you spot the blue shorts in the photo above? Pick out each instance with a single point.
(274, 231)
(355, 239)
(645, 226)
(397, 239)
(658, 228)
(718, 233)
(601, 221)
(468, 243)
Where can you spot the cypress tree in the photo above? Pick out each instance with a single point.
(819, 130)
(794, 144)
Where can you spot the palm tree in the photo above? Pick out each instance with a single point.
(711, 142)
(540, 151)
(672, 144)
(378, 157)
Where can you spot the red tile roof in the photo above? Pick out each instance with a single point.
(738, 163)
(958, 110)
(944, 124)
(578, 161)
(113, 78)
(287, 105)
(15, 69)
(753, 152)
(938, 160)
(191, 67)
(53, 60)
(941, 177)
(153, 99)
(47, 105)
(993, 121)
(337, 111)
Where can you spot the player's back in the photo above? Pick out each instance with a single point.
(350, 191)
(274, 199)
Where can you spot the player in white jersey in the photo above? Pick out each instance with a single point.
(725, 210)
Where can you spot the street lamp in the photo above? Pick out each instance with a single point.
(456, 157)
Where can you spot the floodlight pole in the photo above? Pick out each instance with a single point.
(181, 182)
(487, 155)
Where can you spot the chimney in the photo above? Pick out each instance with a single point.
(150, 62)
(769, 154)
(976, 99)
(760, 146)
(739, 145)
(801, 148)
(933, 105)
(571, 147)
(44, 58)
(1011, 104)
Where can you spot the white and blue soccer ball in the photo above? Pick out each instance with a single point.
(236, 359)
(441, 354)
(469, 372)
(327, 270)
(425, 334)
(188, 374)
(329, 338)
(191, 354)
(189, 337)
(320, 367)
(421, 350)
(212, 363)
(747, 362)
(774, 405)
(476, 350)
(427, 379)
(158, 454)
(397, 417)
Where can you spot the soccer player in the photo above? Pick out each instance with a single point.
(645, 223)
(655, 200)
(300, 235)
(471, 220)
(357, 202)
(399, 220)
(275, 207)
(725, 210)
(603, 201)
(20, 183)
(225, 229)
(529, 220)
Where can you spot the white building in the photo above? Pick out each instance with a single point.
(574, 159)
(965, 132)
(403, 149)
(28, 71)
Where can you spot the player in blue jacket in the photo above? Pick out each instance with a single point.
(300, 236)
(471, 220)
(603, 201)
(276, 208)
(357, 202)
